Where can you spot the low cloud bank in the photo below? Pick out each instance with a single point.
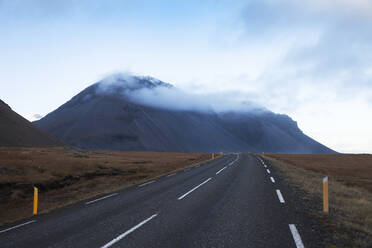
(152, 92)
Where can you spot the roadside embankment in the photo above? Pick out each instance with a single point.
(349, 222)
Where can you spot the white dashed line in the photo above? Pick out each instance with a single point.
(184, 195)
(268, 171)
(281, 199)
(146, 183)
(296, 236)
(272, 179)
(235, 160)
(265, 166)
(218, 172)
(171, 174)
(14, 227)
(121, 236)
(107, 196)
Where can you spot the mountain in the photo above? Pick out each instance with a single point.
(17, 131)
(129, 113)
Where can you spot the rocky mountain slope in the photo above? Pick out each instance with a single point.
(111, 114)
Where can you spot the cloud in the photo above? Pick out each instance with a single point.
(149, 91)
(175, 99)
(329, 41)
(35, 117)
(322, 75)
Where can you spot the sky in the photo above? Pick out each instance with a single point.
(310, 59)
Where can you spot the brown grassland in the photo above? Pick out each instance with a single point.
(68, 175)
(349, 222)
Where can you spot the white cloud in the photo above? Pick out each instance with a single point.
(152, 92)
(34, 117)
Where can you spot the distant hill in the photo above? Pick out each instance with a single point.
(113, 116)
(17, 131)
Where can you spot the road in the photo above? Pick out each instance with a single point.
(232, 201)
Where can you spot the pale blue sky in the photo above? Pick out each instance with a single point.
(309, 59)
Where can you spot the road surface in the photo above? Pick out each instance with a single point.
(232, 201)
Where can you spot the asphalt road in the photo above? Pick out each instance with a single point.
(233, 201)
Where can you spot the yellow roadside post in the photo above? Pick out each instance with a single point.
(35, 200)
(325, 195)
(212, 155)
(263, 154)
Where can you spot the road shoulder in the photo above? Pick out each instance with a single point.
(333, 230)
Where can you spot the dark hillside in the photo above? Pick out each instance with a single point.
(17, 131)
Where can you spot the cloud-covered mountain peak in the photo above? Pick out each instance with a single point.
(152, 92)
(126, 83)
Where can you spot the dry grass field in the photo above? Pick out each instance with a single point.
(350, 191)
(352, 170)
(68, 175)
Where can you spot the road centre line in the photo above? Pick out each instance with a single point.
(184, 195)
(107, 196)
(280, 196)
(14, 227)
(171, 174)
(268, 171)
(265, 165)
(121, 236)
(296, 236)
(272, 179)
(144, 184)
(218, 172)
(234, 160)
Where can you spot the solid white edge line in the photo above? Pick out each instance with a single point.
(171, 174)
(14, 227)
(268, 171)
(184, 195)
(218, 172)
(280, 196)
(272, 179)
(146, 183)
(107, 196)
(296, 236)
(121, 236)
